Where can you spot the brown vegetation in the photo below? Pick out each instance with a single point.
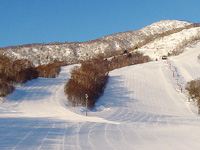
(20, 71)
(89, 79)
(127, 59)
(14, 72)
(5, 89)
(193, 88)
(50, 70)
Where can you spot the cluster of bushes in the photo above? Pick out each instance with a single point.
(20, 71)
(50, 70)
(90, 78)
(14, 72)
(193, 88)
(198, 58)
(127, 59)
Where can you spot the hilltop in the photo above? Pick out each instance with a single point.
(40, 54)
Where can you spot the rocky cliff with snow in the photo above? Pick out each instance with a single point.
(160, 37)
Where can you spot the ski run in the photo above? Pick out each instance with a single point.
(143, 107)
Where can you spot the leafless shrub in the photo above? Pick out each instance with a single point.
(50, 70)
(90, 79)
(5, 89)
(14, 72)
(193, 88)
(112, 53)
(127, 60)
(18, 71)
(198, 58)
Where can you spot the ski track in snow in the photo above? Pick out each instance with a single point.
(141, 109)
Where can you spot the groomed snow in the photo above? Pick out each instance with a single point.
(142, 108)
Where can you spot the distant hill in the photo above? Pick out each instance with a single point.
(107, 46)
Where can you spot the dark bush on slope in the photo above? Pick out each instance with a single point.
(13, 73)
(5, 89)
(90, 78)
(20, 71)
(198, 58)
(127, 60)
(193, 88)
(50, 70)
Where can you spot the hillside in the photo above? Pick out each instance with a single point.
(40, 54)
(142, 108)
(172, 44)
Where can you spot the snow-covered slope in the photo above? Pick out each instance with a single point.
(188, 63)
(142, 108)
(72, 52)
(168, 44)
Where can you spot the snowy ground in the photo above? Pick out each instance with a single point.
(142, 108)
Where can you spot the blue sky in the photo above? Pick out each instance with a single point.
(45, 21)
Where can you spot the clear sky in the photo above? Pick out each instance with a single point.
(45, 21)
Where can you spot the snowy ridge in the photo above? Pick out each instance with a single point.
(72, 52)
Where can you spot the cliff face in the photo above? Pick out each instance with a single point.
(40, 54)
